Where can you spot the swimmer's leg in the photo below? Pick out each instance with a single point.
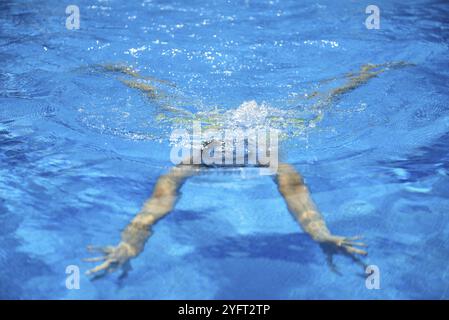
(136, 82)
(132, 72)
(153, 88)
(138, 231)
(352, 81)
(322, 100)
(121, 68)
(366, 72)
(297, 196)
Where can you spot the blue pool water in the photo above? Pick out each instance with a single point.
(80, 152)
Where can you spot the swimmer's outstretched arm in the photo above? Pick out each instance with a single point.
(138, 231)
(301, 205)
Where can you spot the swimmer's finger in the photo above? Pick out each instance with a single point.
(355, 250)
(358, 244)
(101, 267)
(107, 249)
(92, 248)
(96, 259)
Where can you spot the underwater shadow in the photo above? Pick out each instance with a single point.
(291, 247)
(421, 162)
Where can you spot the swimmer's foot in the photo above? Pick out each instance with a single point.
(113, 257)
(347, 244)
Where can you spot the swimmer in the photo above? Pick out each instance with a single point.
(290, 183)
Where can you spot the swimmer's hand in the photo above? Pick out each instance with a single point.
(113, 257)
(348, 245)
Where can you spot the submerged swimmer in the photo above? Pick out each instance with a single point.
(165, 194)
